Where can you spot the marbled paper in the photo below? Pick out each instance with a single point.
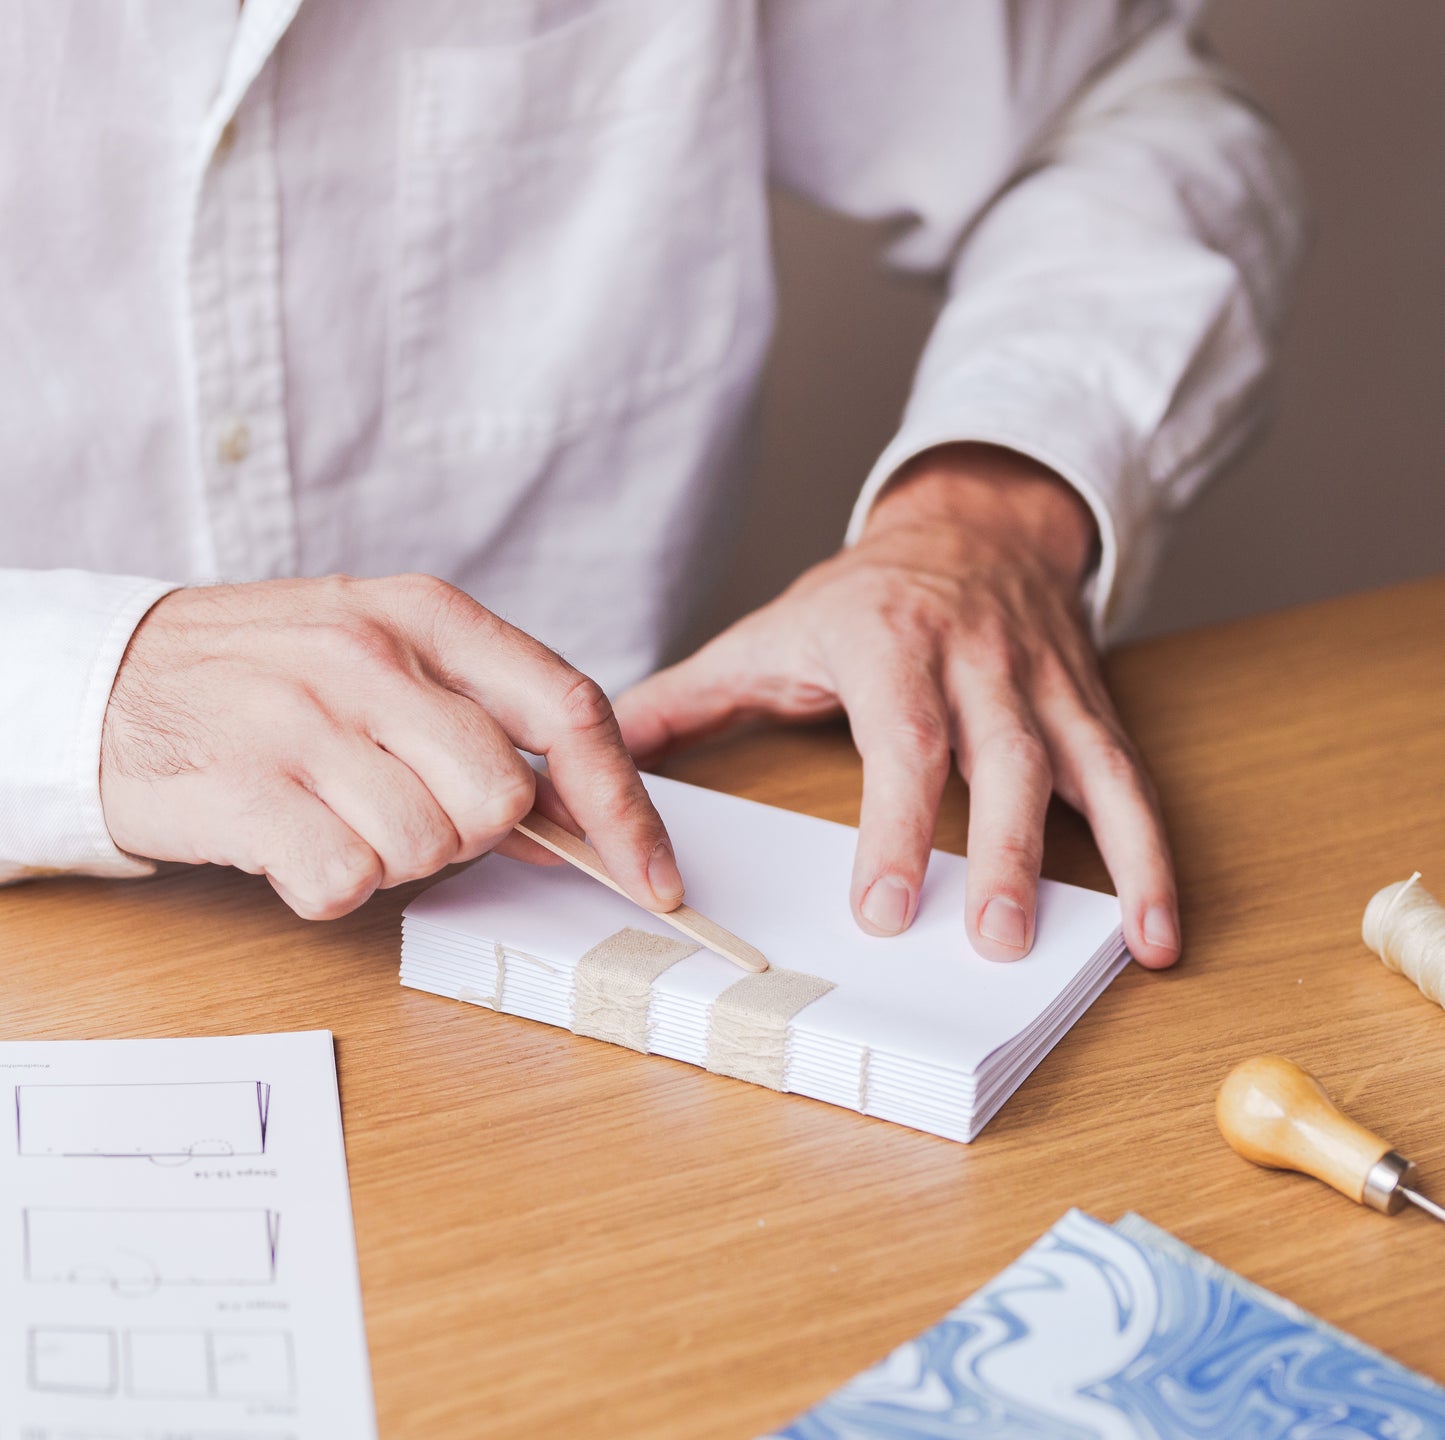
(1120, 1333)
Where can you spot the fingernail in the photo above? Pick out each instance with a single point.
(663, 874)
(1160, 927)
(885, 906)
(1004, 923)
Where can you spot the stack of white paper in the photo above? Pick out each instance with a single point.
(919, 1030)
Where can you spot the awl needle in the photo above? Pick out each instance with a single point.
(1428, 1206)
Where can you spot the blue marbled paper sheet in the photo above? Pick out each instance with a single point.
(1122, 1332)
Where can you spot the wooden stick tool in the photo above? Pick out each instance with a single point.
(708, 933)
(1279, 1116)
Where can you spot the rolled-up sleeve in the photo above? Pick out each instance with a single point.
(1113, 300)
(62, 636)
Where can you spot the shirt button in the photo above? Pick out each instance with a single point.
(233, 443)
(225, 140)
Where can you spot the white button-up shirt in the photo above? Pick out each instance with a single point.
(484, 290)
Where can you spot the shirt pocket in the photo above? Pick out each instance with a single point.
(568, 227)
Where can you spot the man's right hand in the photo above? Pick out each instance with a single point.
(341, 735)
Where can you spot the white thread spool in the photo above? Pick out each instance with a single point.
(1405, 926)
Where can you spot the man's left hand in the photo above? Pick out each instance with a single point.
(952, 628)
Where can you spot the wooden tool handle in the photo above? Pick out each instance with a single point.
(1278, 1115)
(708, 933)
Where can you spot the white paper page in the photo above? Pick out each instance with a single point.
(780, 880)
(177, 1258)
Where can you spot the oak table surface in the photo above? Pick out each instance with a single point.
(562, 1238)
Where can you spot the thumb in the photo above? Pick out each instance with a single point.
(685, 702)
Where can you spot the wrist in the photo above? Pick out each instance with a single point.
(994, 495)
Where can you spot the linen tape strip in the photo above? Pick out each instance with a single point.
(748, 1027)
(612, 989)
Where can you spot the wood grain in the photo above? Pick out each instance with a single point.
(558, 1237)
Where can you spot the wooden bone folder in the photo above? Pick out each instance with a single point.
(708, 933)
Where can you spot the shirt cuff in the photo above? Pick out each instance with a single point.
(61, 643)
(1098, 464)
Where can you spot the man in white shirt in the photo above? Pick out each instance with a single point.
(482, 293)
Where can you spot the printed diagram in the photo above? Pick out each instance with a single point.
(162, 1364)
(164, 1123)
(210, 1364)
(134, 1252)
(79, 1360)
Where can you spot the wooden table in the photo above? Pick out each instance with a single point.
(559, 1238)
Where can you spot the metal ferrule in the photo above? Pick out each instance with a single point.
(1382, 1184)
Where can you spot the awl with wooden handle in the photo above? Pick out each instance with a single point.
(1279, 1116)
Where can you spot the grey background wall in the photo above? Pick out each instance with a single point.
(1344, 491)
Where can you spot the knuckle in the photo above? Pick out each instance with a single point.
(1111, 758)
(922, 735)
(360, 643)
(419, 588)
(1017, 850)
(504, 804)
(319, 905)
(1018, 749)
(627, 810)
(346, 878)
(338, 589)
(910, 610)
(426, 852)
(433, 607)
(991, 646)
(307, 907)
(584, 705)
(639, 812)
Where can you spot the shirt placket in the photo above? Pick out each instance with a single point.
(235, 286)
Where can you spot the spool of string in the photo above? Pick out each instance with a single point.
(1405, 926)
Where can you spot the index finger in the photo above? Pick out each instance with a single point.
(551, 709)
(901, 730)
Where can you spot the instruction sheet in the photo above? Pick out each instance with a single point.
(176, 1247)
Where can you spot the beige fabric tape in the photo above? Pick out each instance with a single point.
(748, 1031)
(613, 986)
